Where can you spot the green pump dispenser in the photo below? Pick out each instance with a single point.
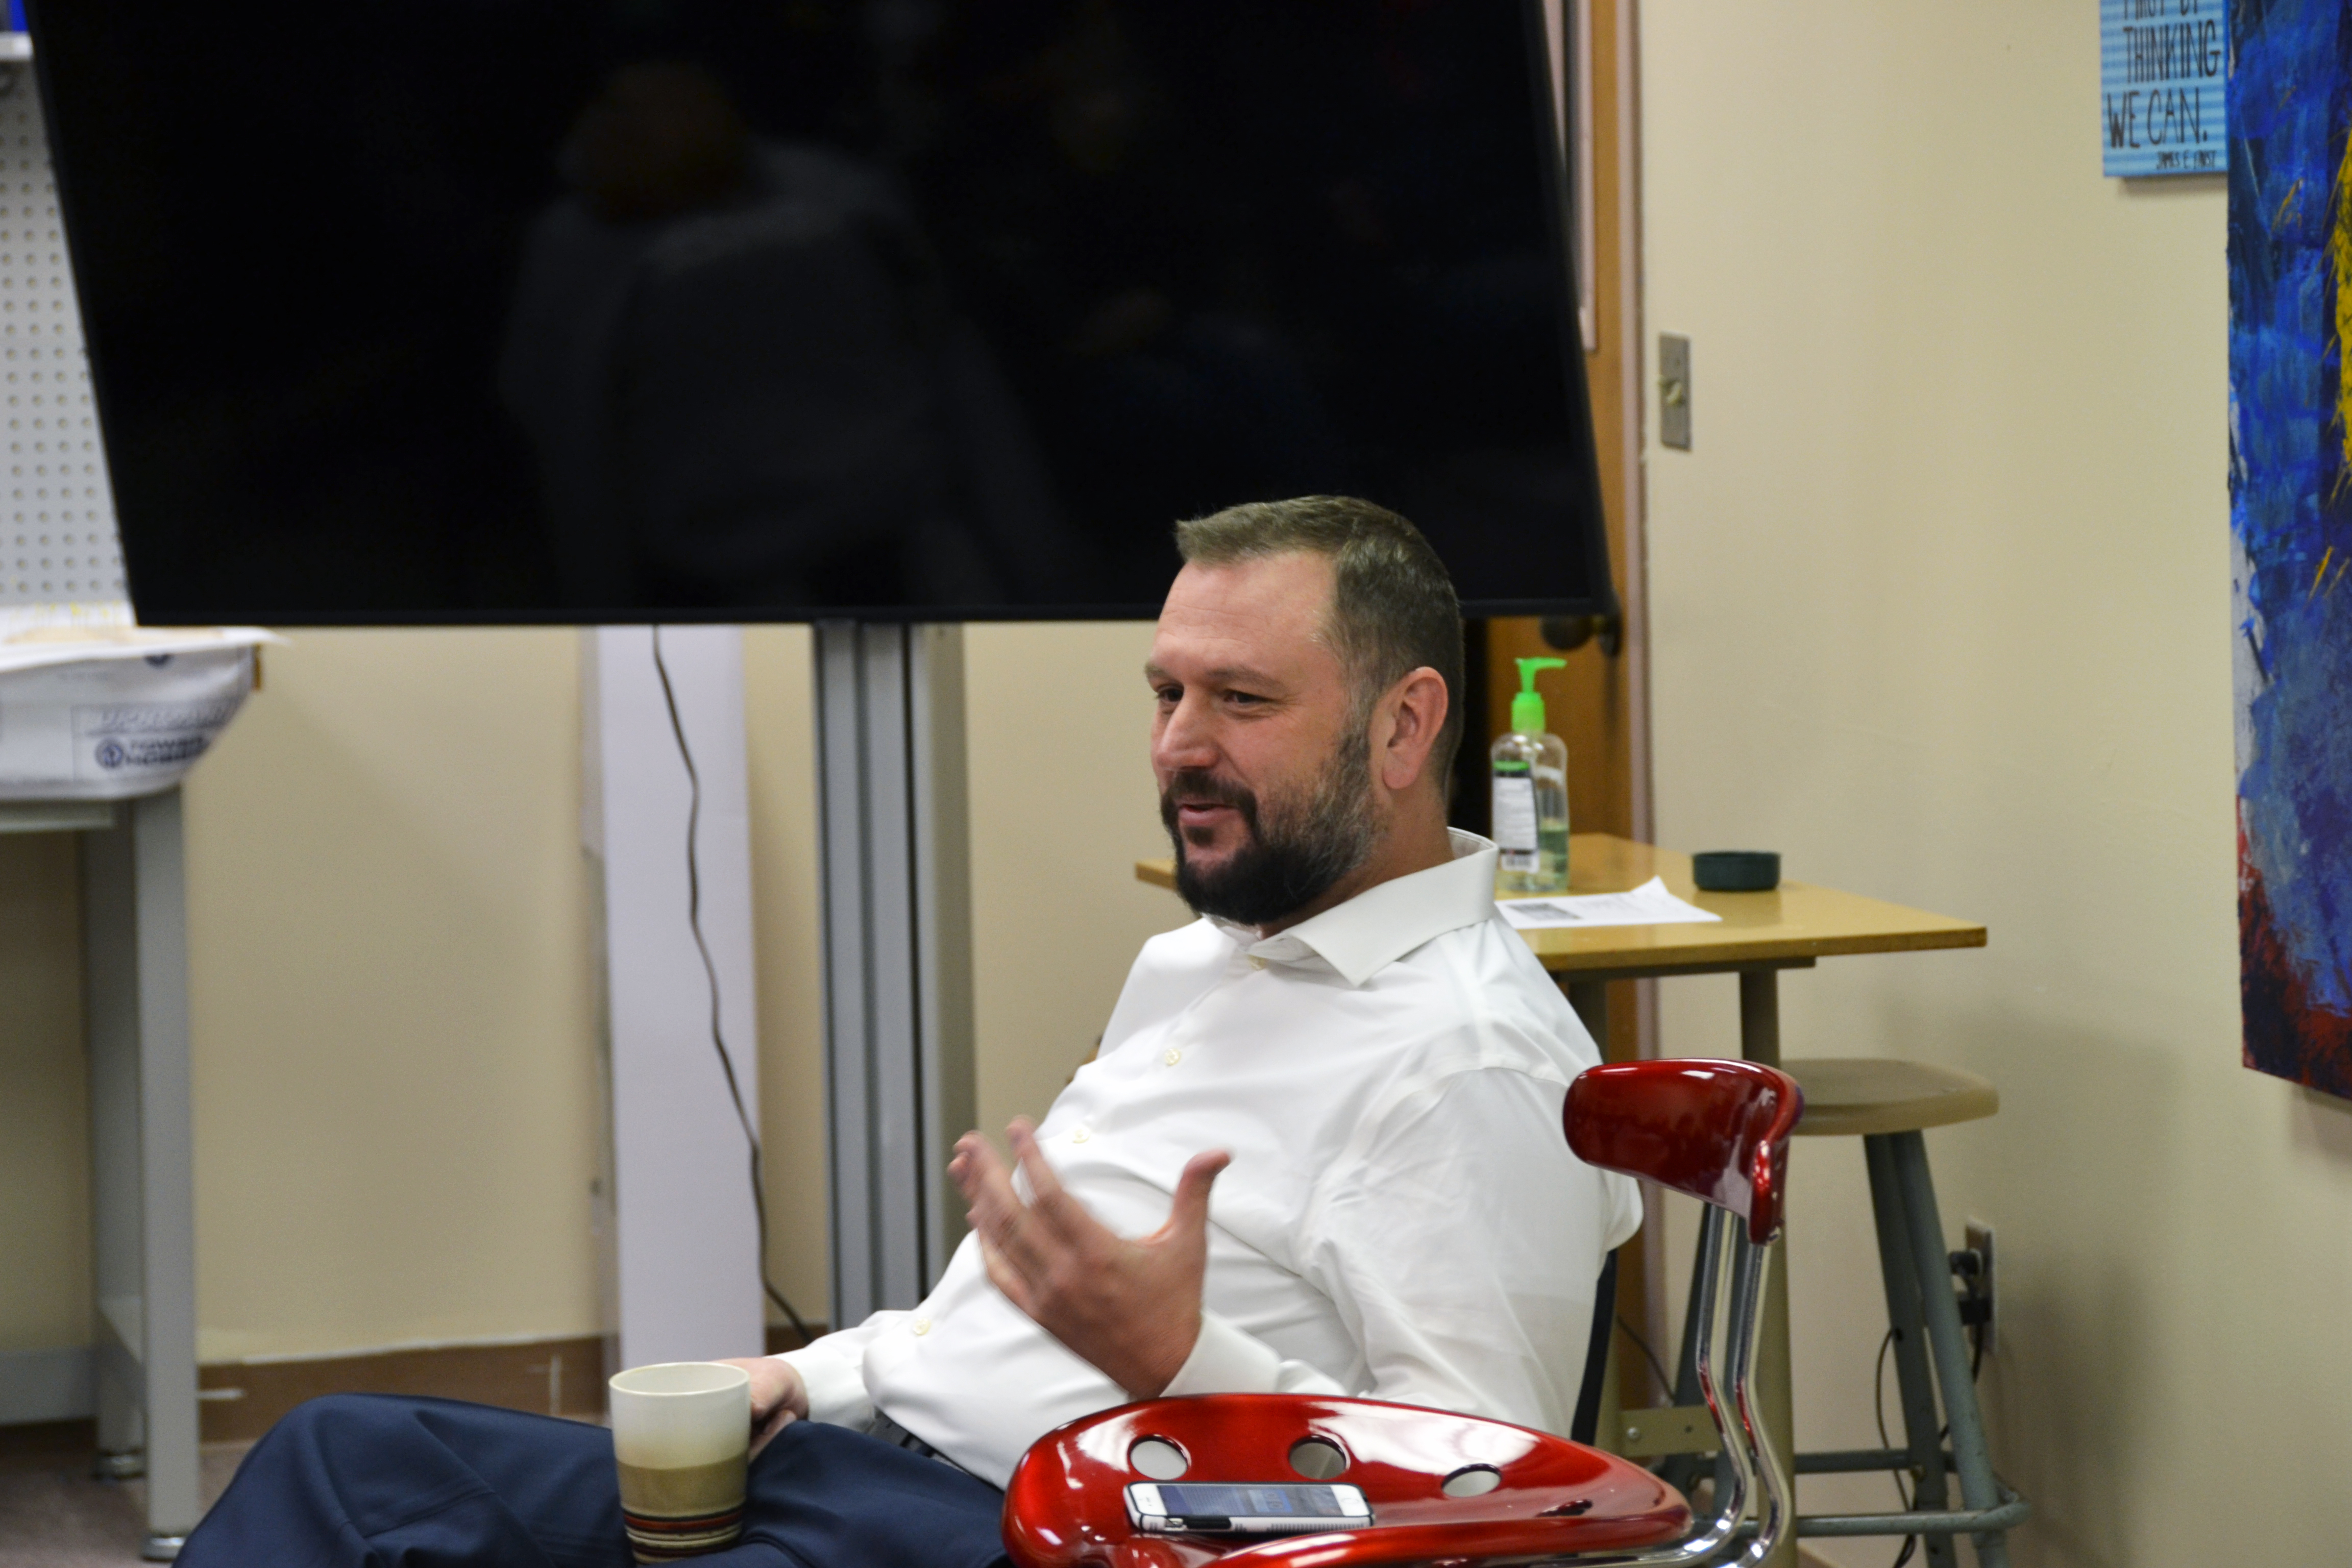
(1530, 802)
(1527, 705)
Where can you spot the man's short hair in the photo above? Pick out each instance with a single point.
(1392, 604)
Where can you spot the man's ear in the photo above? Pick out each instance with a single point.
(1415, 708)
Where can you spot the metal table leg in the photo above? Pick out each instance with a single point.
(1760, 1041)
(135, 955)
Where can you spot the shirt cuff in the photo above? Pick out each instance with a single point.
(1225, 1360)
(836, 1390)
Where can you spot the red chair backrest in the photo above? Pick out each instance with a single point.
(1715, 1129)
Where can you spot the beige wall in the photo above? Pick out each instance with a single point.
(391, 999)
(394, 1003)
(1940, 610)
(44, 1144)
(1062, 805)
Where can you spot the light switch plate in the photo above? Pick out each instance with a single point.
(1673, 391)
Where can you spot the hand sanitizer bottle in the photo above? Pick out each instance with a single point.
(1530, 773)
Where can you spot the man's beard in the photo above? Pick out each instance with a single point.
(1290, 856)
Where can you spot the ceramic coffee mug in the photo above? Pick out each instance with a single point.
(682, 1438)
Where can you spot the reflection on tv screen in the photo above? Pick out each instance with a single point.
(517, 309)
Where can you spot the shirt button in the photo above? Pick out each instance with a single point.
(921, 1326)
(1173, 1056)
(1256, 960)
(1079, 1135)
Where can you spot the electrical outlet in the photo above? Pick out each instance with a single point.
(1980, 1243)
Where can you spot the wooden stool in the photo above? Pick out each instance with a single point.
(1887, 1104)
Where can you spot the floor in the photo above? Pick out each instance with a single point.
(55, 1514)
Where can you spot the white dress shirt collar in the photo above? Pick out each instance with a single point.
(1385, 921)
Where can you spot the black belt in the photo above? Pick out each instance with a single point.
(897, 1437)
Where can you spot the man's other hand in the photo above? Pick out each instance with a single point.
(1131, 1308)
(778, 1398)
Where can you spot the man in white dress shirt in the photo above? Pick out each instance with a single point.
(1318, 1150)
(1350, 1034)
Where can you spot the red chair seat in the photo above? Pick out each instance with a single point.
(1066, 1505)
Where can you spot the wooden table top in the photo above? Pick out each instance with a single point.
(1788, 927)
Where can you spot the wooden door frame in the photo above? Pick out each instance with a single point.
(1632, 401)
(1611, 785)
(1603, 700)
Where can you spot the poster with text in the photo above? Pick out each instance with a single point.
(2163, 65)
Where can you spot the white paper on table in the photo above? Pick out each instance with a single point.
(43, 646)
(109, 712)
(1647, 905)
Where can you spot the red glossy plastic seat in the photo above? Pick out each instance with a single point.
(1718, 1130)
(1066, 1505)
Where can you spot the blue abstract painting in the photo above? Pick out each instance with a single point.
(2290, 263)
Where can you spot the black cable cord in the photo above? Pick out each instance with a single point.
(1666, 1383)
(711, 972)
(1878, 1409)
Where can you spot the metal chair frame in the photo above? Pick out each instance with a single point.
(1753, 1465)
(1744, 1254)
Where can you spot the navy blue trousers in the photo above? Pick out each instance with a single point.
(367, 1480)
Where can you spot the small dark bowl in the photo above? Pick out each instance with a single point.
(1736, 870)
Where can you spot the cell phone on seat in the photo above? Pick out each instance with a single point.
(1244, 1508)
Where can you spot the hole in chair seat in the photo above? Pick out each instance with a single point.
(1318, 1458)
(1158, 1458)
(1472, 1481)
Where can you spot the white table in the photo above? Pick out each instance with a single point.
(142, 1209)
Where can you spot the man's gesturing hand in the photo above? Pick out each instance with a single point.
(1131, 1307)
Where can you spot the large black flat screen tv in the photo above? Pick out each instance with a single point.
(515, 310)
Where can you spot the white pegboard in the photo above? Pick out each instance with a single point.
(60, 556)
